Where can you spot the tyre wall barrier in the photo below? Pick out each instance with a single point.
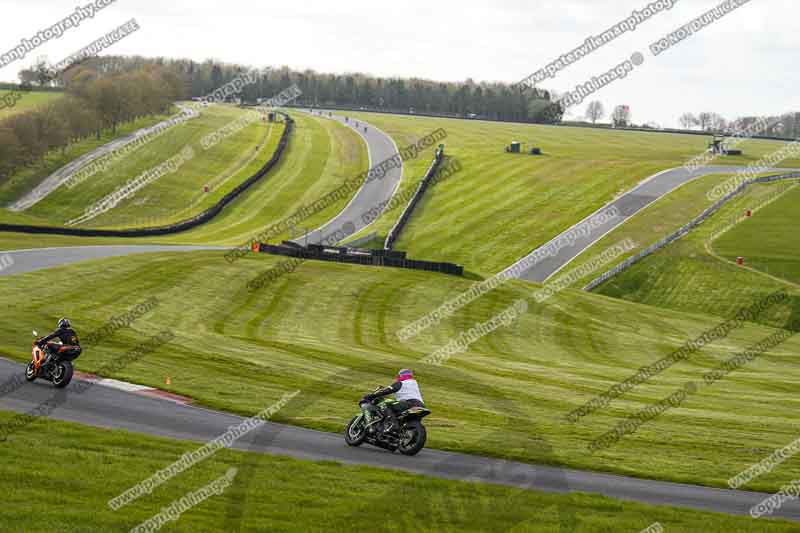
(379, 258)
(178, 227)
(685, 229)
(401, 223)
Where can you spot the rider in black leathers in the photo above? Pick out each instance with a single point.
(67, 336)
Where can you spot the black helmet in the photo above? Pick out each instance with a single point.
(63, 323)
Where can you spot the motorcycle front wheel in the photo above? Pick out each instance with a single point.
(356, 431)
(412, 438)
(62, 375)
(30, 372)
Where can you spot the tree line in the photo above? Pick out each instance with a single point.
(496, 101)
(103, 92)
(95, 99)
(786, 125)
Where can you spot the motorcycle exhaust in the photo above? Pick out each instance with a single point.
(383, 444)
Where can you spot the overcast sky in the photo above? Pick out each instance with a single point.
(745, 63)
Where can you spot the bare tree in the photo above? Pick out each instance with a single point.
(704, 120)
(27, 76)
(621, 116)
(688, 121)
(43, 74)
(595, 111)
(717, 122)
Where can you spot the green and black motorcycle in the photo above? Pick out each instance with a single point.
(409, 438)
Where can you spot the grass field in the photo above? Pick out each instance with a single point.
(27, 179)
(175, 195)
(502, 206)
(321, 155)
(496, 210)
(220, 169)
(87, 467)
(769, 242)
(696, 274)
(28, 101)
(660, 219)
(507, 396)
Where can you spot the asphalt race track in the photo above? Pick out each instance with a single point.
(111, 408)
(37, 259)
(628, 205)
(374, 194)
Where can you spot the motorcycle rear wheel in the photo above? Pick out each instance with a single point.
(356, 432)
(412, 439)
(62, 375)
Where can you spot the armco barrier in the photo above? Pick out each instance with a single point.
(685, 229)
(178, 227)
(380, 258)
(401, 223)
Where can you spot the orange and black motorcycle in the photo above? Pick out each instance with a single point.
(52, 362)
